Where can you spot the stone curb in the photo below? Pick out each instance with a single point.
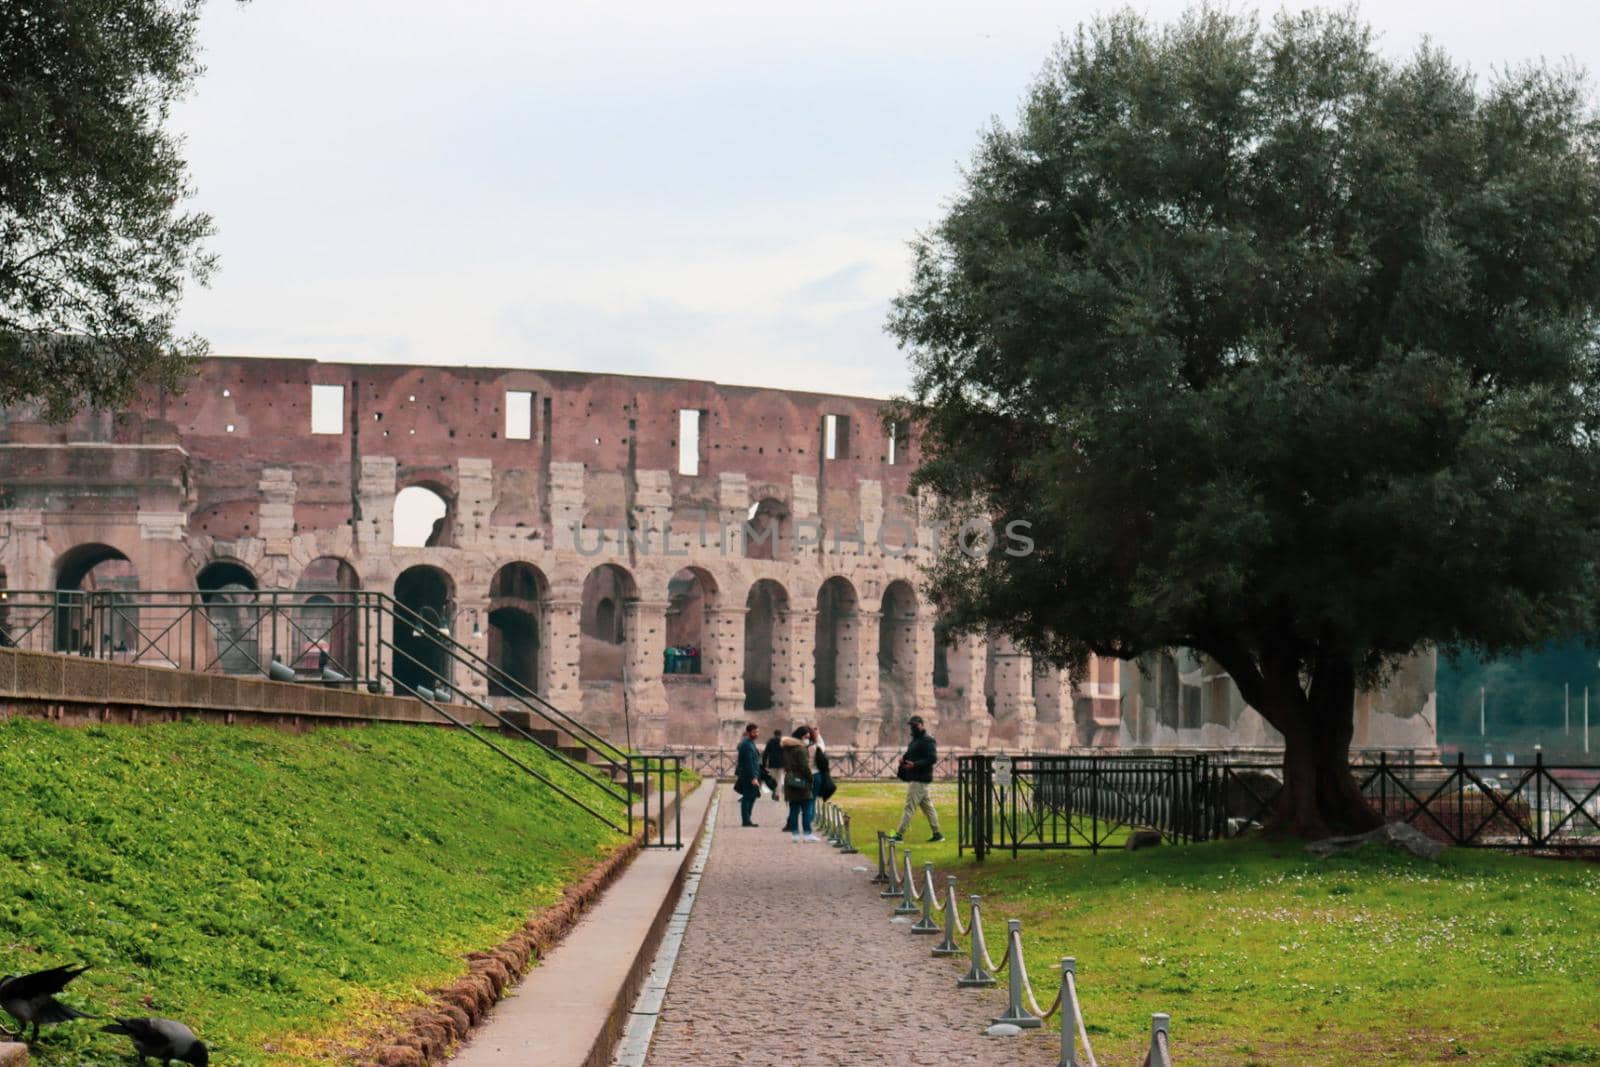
(13, 1055)
(427, 1034)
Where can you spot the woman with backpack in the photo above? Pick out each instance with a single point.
(822, 787)
(797, 783)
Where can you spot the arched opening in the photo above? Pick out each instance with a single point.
(422, 517)
(111, 625)
(228, 594)
(516, 596)
(944, 647)
(836, 644)
(767, 530)
(897, 649)
(690, 594)
(766, 639)
(326, 619)
(419, 658)
(602, 639)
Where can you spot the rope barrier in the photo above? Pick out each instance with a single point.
(1022, 1002)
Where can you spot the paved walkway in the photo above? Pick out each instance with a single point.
(790, 958)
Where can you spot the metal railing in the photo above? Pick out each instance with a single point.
(1024, 803)
(863, 763)
(916, 894)
(347, 639)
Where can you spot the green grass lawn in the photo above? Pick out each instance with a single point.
(279, 892)
(1265, 955)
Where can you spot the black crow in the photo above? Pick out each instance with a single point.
(30, 998)
(165, 1039)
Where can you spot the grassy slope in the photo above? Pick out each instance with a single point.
(1265, 955)
(266, 887)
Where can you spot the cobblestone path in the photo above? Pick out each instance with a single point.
(790, 958)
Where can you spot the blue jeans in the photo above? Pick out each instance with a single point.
(799, 815)
(811, 805)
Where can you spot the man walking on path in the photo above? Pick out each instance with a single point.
(772, 760)
(916, 769)
(747, 775)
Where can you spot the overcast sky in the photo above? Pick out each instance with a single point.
(673, 187)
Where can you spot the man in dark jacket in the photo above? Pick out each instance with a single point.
(772, 760)
(916, 768)
(747, 774)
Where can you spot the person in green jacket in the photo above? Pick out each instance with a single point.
(916, 769)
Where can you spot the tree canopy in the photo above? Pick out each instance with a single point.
(96, 243)
(1287, 351)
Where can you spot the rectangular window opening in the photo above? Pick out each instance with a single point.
(899, 436)
(835, 436)
(688, 441)
(327, 409)
(519, 415)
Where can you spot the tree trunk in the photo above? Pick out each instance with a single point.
(1320, 797)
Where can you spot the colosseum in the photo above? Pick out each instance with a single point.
(667, 559)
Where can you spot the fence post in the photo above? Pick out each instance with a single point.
(948, 946)
(926, 925)
(1069, 1014)
(976, 976)
(1015, 1013)
(881, 878)
(908, 889)
(893, 888)
(1159, 1023)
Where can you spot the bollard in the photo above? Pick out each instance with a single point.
(836, 828)
(1015, 1013)
(908, 889)
(893, 888)
(977, 976)
(1159, 1055)
(1069, 1015)
(880, 878)
(948, 946)
(926, 925)
(848, 848)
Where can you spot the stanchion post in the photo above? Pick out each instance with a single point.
(882, 877)
(1160, 1024)
(1069, 1015)
(1016, 1014)
(893, 888)
(908, 889)
(926, 925)
(848, 848)
(976, 975)
(948, 946)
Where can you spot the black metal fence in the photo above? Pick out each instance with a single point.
(865, 763)
(1024, 803)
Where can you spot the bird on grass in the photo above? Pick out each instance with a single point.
(31, 998)
(163, 1039)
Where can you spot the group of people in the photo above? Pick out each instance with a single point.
(795, 768)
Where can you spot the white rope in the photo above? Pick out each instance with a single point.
(961, 927)
(911, 877)
(929, 891)
(1027, 986)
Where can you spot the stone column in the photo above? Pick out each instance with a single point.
(724, 640)
(869, 715)
(976, 651)
(644, 629)
(1052, 698)
(1015, 716)
(801, 668)
(559, 645)
(469, 612)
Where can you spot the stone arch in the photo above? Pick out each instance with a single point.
(424, 515)
(233, 616)
(602, 635)
(691, 596)
(837, 638)
(517, 596)
(428, 596)
(96, 568)
(768, 531)
(326, 617)
(766, 645)
(897, 650)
